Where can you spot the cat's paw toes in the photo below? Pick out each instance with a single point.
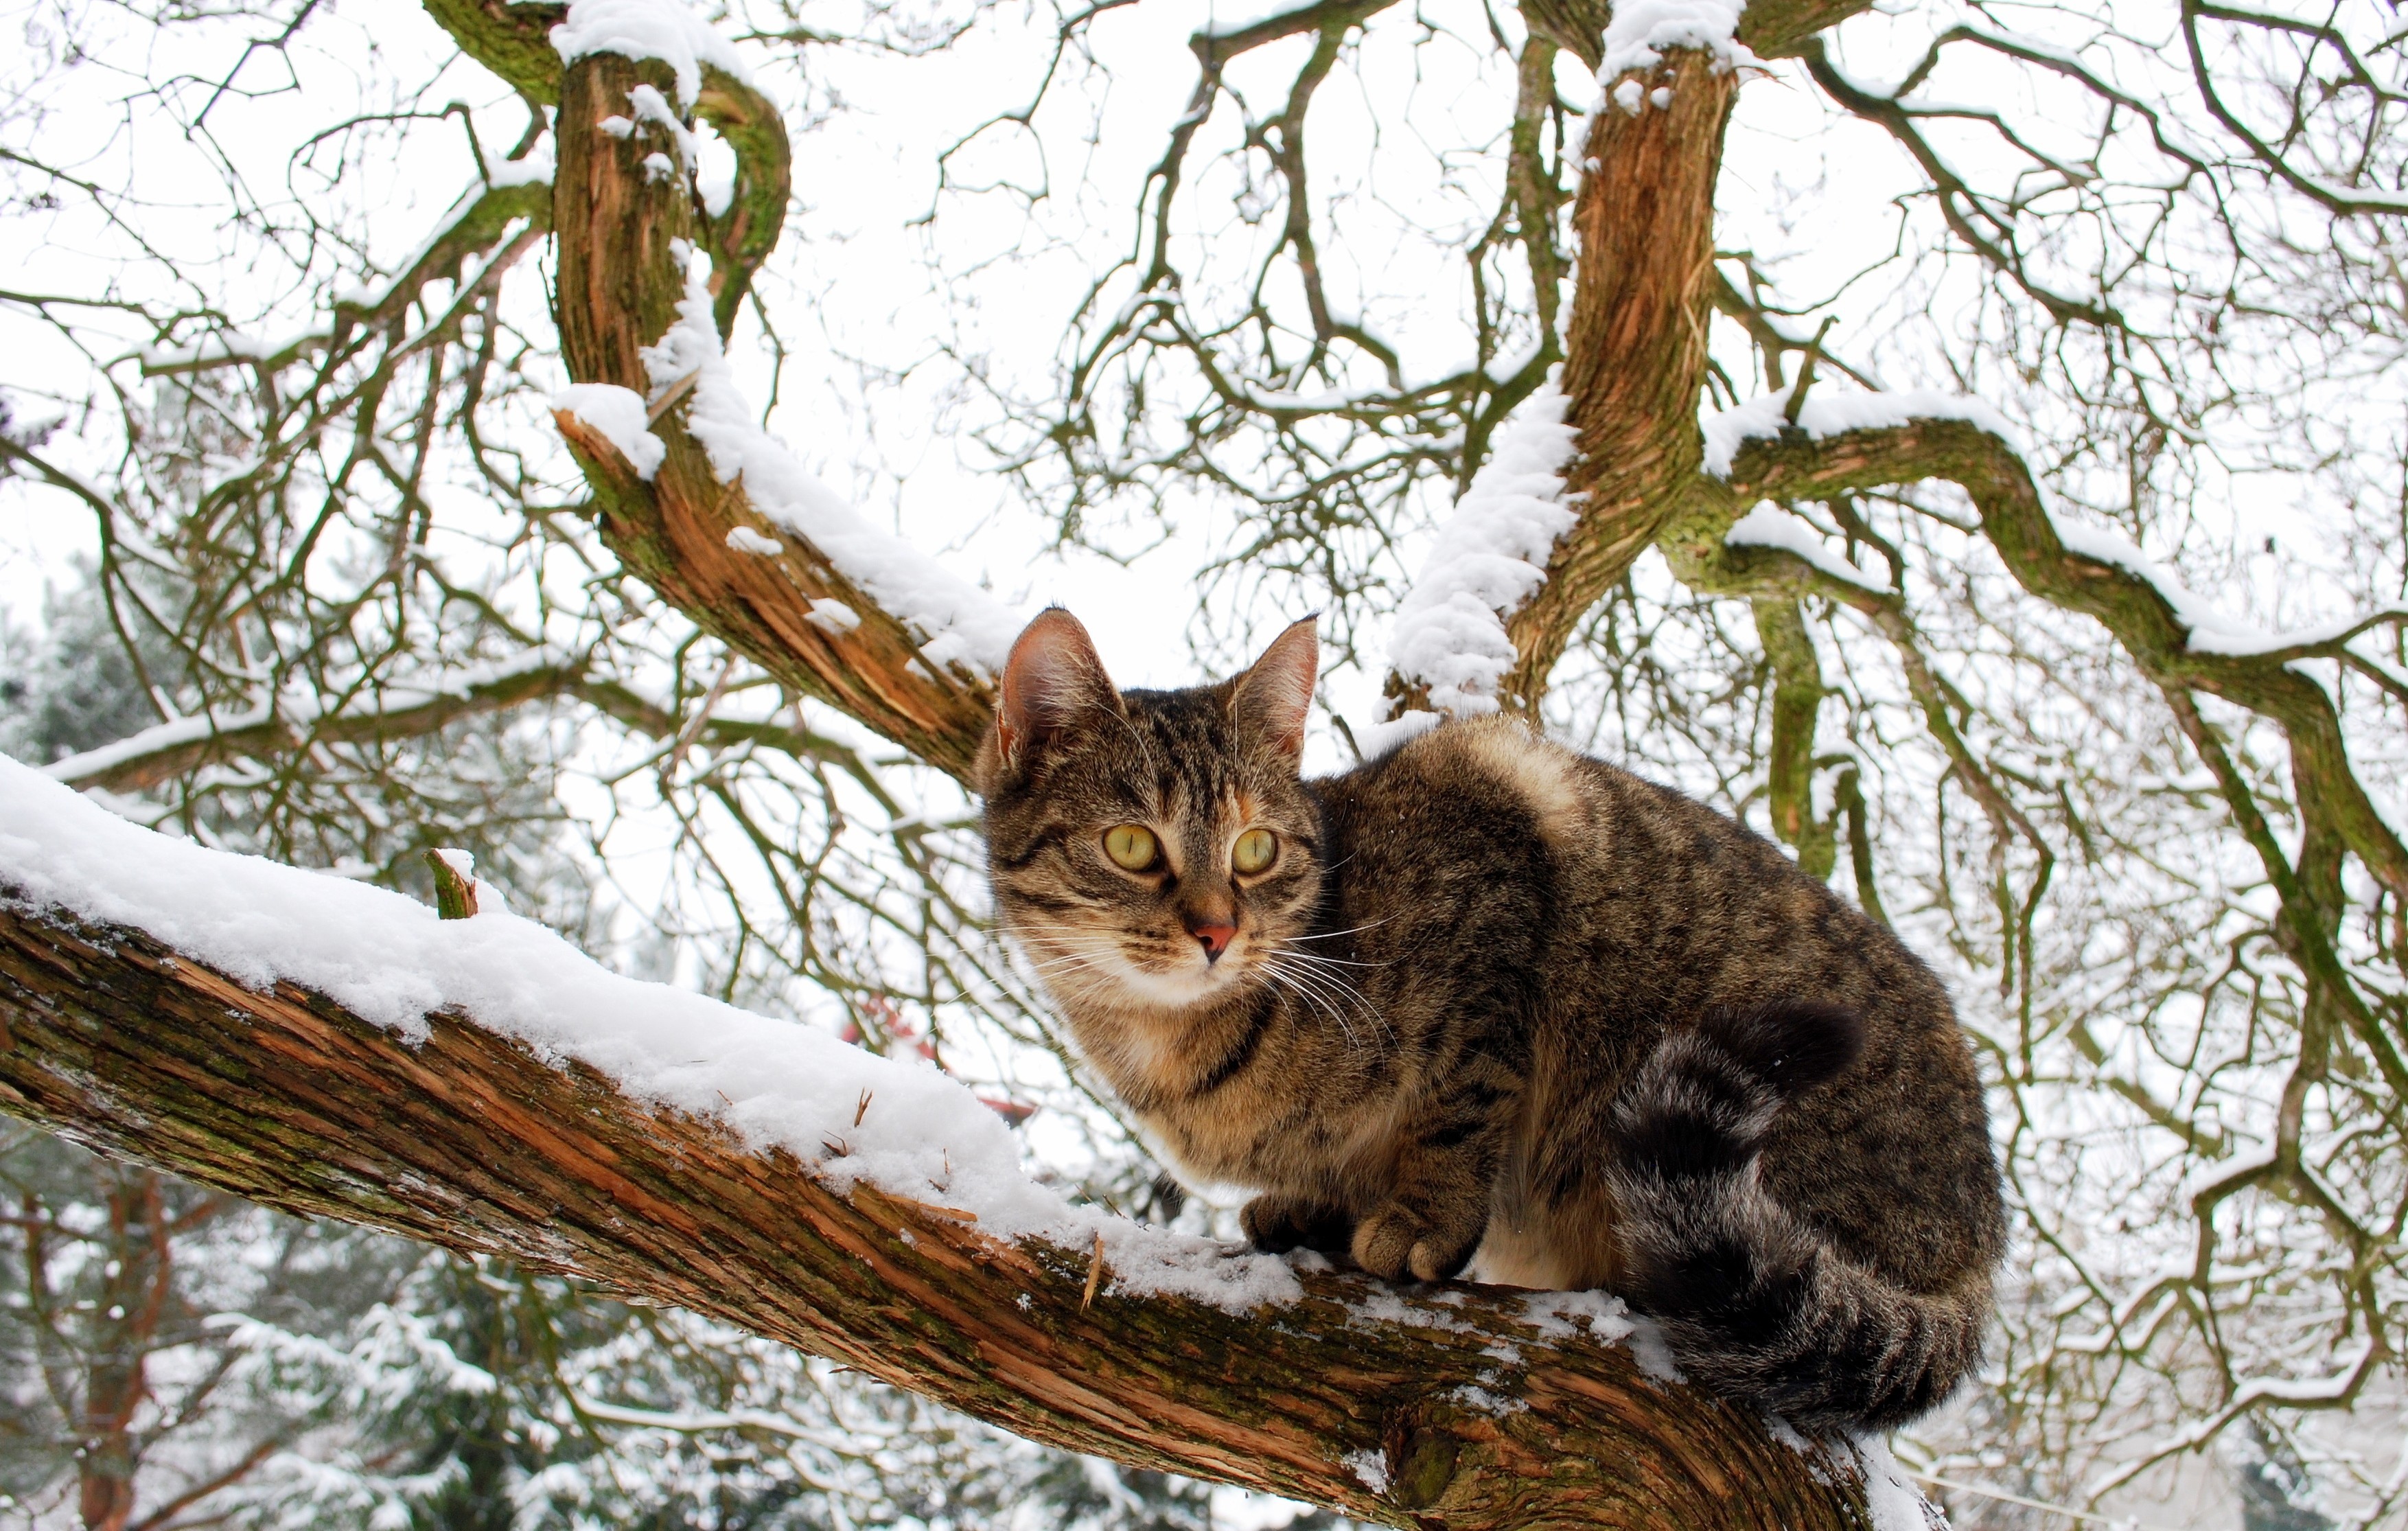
(1394, 1244)
(1276, 1224)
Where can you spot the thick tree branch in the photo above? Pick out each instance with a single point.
(619, 284)
(1455, 1413)
(1635, 360)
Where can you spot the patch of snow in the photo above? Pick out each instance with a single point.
(619, 414)
(1786, 1433)
(1489, 556)
(1370, 1470)
(666, 30)
(536, 169)
(1771, 526)
(957, 621)
(1652, 1352)
(390, 961)
(744, 539)
(831, 617)
(1486, 1402)
(1629, 95)
(1565, 1315)
(1385, 738)
(1825, 415)
(1892, 1502)
(1640, 30)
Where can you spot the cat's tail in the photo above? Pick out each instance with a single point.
(1757, 1303)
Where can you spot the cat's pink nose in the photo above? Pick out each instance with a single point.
(1215, 939)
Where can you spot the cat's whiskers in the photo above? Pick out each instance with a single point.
(1321, 971)
(1330, 993)
(1331, 934)
(1287, 982)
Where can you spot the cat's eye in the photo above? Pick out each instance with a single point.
(1131, 846)
(1254, 850)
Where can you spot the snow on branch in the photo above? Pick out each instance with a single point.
(619, 416)
(666, 30)
(777, 1084)
(2210, 631)
(1638, 36)
(392, 706)
(1823, 416)
(1490, 556)
(957, 621)
(1769, 526)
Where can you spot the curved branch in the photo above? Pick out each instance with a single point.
(2333, 805)
(619, 285)
(1451, 1407)
(1635, 360)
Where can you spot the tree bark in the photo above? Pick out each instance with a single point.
(1636, 357)
(619, 290)
(1458, 1415)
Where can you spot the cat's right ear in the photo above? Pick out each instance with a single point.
(1051, 682)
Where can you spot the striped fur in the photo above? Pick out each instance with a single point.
(1496, 1006)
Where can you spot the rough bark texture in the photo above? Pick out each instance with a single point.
(470, 1141)
(1636, 356)
(619, 288)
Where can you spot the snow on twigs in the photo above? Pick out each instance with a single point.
(1489, 556)
(957, 623)
(618, 414)
(666, 30)
(390, 960)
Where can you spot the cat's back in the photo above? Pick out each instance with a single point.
(1684, 905)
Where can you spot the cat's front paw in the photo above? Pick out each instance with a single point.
(1393, 1243)
(1276, 1224)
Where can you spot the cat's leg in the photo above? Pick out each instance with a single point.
(1445, 1178)
(1277, 1224)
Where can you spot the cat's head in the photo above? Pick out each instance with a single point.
(1150, 849)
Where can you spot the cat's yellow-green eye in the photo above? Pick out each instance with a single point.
(1254, 850)
(1130, 846)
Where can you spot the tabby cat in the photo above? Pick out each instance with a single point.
(1483, 996)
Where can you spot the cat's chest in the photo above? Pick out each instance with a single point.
(1285, 1129)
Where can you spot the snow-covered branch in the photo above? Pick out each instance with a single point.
(330, 1047)
(693, 494)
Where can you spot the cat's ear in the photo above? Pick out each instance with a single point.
(1052, 680)
(1272, 699)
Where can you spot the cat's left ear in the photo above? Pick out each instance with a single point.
(1272, 699)
(1052, 682)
